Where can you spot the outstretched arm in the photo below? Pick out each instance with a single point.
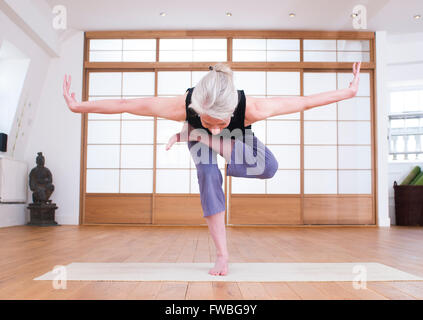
(172, 108)
(263, 108)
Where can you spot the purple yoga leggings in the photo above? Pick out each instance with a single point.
(249, 159)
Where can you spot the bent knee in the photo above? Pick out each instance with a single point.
(270, 169)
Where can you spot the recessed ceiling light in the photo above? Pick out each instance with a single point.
(292, 15)
(417, 17)
(229, 14)
(162, 14)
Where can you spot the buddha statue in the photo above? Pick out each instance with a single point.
(40, 181)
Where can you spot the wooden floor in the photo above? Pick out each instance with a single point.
(27, 252)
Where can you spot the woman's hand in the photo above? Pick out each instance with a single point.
(186, 134)
(70, 98)
(354, 83)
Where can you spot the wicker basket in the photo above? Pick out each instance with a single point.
(408, 205)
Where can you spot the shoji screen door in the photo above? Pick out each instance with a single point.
(326, 155)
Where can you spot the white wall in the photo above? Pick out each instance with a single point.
(42, 121)
(381, 125)
(56, 131)
(404, 69)
(405, 58)
(26, 108)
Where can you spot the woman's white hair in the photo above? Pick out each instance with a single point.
(215, 94)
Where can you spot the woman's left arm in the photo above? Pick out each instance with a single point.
(263, 108)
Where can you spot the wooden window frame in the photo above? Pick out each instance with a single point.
(301, 66)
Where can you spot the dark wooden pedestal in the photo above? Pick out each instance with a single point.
(42, 214)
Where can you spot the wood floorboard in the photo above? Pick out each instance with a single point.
(28, 252)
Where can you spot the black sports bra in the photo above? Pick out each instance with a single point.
(237, 120)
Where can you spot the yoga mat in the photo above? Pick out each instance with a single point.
(238, 272)
(419, 181)
(416, 178)
(413, 174)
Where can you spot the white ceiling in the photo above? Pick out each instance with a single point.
(394, 16)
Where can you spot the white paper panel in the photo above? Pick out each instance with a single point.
(166, 129)
(259, 129)
(194, 188)
(106, 44)
(283, 83)
(194, 181)
(320, 181)
(139, 44)
(103, 116)
(102, 181)
(134, 156)
(353, 45)
(173, 82)
(320, 157)
(327, 112)
(252, 82)
(176, 44)
(319, 132)
(288, 157)
(103, 131)
(106, 156)
(137, 131)
(344, 80)
(105, 83)
(172, 181)
(138, 83)
(196, 77)
(177, 157)
(284, 182)
(355, 181)
(171, 56)
(353, 56)
(248, 185)
(355, 157)
(283, 56)
(326, 56)
(211, 55)
(138, 56)
(239, 55)
(313, 44)
(283, 132)
(317, 82)
(357, 108)
(354, 132)
(136, 181)
(249, 44)
(109, 56)
(209, 44)
(283, 44)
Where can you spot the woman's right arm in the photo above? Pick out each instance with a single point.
(172, 108)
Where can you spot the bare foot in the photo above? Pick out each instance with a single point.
(220, 267)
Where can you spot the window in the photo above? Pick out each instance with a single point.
(406, 124)
(13, 68)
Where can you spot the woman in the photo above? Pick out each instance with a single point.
(218, 120)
